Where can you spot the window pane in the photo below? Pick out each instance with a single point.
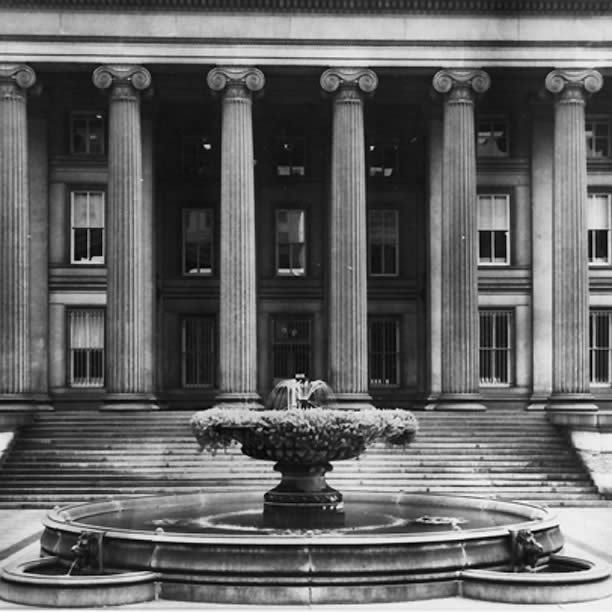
(86, 347)
(291, 242)
(199, 357)
(383, 352)
(96, 246)
(80, 209)
(485, 247)
(496, 351)
(80, 245)
(197, 241)
(291, 348)
(500, 246)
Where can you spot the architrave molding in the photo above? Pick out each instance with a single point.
(592, 7)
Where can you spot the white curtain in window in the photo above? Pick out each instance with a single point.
(96, 209)
(86, 329)
(598, 212)
(80, 215)
(493, 213)
(198, 225)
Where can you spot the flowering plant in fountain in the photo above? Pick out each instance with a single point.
(296, 435)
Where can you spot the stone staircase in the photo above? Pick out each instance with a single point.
(70, 456)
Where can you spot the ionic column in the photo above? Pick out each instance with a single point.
(571, 387)
(238, 274)
(460, 327)
(129, 311)
(15, 358)
(348, 298)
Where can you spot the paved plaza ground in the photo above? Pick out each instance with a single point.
(588, 534)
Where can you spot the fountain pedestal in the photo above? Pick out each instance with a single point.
(303, 499)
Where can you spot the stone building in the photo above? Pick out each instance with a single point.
(408, 198)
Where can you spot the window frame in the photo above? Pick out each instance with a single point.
(492, 118)
(101, 312)
(598, 119)
(289, 272)
(211, 350)
(383, 274)
(397, 353)
(510, 350)
(202, 272)
(507, 197)
(72, 191)
(608, 261)
(88, 115)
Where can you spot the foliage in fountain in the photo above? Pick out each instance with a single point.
(301, 426)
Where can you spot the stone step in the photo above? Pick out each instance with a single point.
(81, 470)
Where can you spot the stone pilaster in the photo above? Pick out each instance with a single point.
(15, 354)
(238, 273)
(129, 315)
(348, 298)
(460, 327)
(571, 387)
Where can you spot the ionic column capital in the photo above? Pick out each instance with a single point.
(15, 79)
(125, 80)
(237, 81)
(573, 85)
(461, 85)
(349, 82)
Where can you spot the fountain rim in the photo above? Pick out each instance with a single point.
(537, 518)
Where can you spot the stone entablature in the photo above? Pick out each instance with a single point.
(354, 6)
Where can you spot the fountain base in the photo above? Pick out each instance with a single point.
(303, 499)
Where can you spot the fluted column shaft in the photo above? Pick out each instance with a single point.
(348, 299)
(15, 376)
(570, 260)
(460, 327)
(238, 274)
(128, 315)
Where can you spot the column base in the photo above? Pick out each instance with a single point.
(239, 401)
(466, 402)
(538, 401)
(129, 401)
(352, 401)
(561, 402)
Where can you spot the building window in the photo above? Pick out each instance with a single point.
(600, 346)
(290, 242)
(290, 156)
(198, 355)
(493, 229)
(291, 346)
(492, 137)
(597, 136)
(598, 223)
(496, 349)
(199, 156)
(383, 242)
(382, 158)
(86, 133)
(87, 223)
(198, 241)
(86, 347)
(383, 352)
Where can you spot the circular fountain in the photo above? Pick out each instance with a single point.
(303, 542)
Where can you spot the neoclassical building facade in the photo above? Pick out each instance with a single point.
(409, 199)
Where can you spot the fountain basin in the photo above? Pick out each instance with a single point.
(215, 548)
(43, 582)
(562, 580)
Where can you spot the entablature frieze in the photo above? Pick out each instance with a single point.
(336, 6)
